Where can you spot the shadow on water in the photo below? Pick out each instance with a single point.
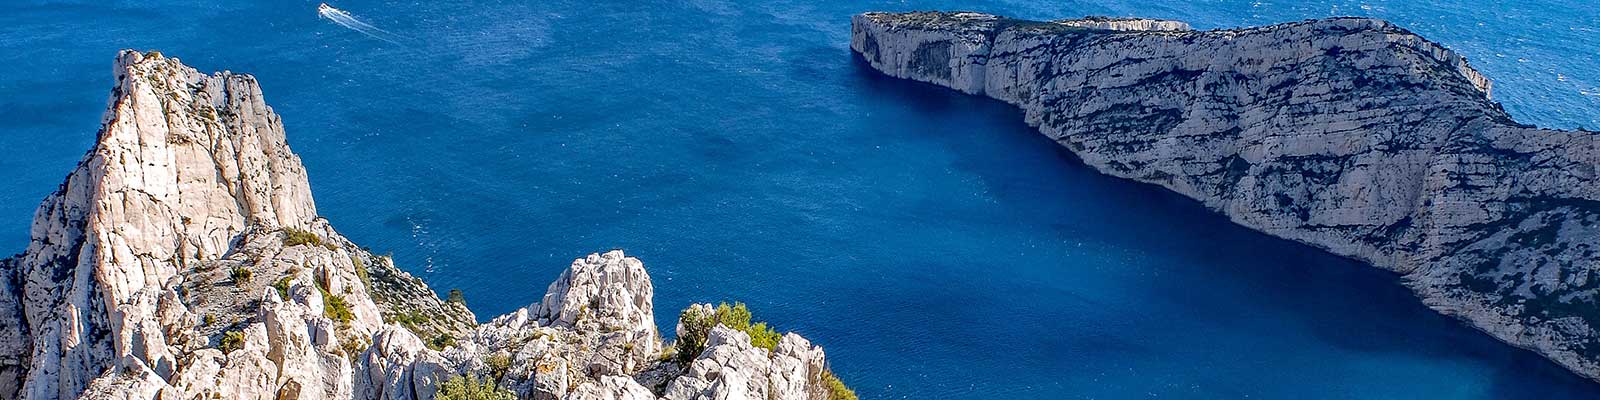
(1341, 302)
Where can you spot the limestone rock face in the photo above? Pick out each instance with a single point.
(595, 320)
(611, 388)
(604, 291)
(168, 242)
(183, 259)
(597, 351)
(731, 368)
(1349, 134)
(151, 198)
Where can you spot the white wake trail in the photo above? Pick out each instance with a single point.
(343, 18)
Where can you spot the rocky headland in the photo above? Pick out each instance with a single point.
(1350, 134)
(184, 259)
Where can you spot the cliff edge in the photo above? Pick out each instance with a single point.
(184, 259)
(1349, 134)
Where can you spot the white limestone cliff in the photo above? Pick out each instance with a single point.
(1348, 134)
(184, 259)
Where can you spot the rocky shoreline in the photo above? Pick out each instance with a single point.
(184, 259)
(1349, 134)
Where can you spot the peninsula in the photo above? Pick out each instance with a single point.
(1349, 134)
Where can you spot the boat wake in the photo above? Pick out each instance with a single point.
(343, 18)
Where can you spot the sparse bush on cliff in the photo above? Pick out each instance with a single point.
(499, 365)
(763, 336)
(352, 346)
(668, 354)
(738, 317)
(361, 271)
(295, 237)
(335, 308)
(697, 326)
(240, 274)
(836, 388)
(444, 340)
(411, 319)
(231, 340)
(456, 297)
(283, 286)
(462, 387)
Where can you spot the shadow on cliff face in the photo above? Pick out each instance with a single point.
(924, 97)
(1218, 276)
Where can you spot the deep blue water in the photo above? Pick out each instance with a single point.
(936, 246)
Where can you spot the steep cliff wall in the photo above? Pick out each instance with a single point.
(184, 259)
(1349, 134)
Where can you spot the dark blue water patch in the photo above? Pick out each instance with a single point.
(936, 246)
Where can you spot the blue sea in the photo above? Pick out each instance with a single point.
(933, 244)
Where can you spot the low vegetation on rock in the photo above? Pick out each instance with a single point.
(335, 308)
(231, 340)
(441, 342)
(240, 274)
(836, 388)
(462, 387)
(737, 316)
(283, 286)
(295, 237)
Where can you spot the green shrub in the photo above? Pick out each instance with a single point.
(462, 387)
(283, 286)
(499, 365)
(231, 340)
(696, 326)
(763, 336)
(334, 307)
(836, 388)
(668, 354)
(352, 346)
(737, 316)
(411, 319)
(240, 274)
(361, 271)
(295, 237)
(441, 342)
(457, 297)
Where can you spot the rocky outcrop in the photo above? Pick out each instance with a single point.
(184, 259)
(596, 320)
(732, 367)
(1349, 134)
